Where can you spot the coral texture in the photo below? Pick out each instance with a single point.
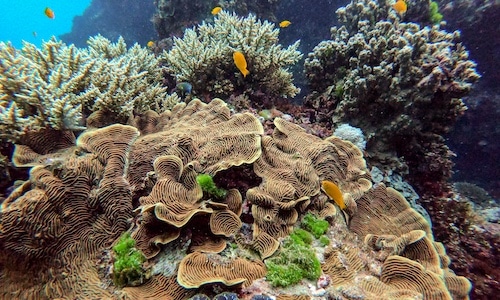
(55, 226)
(59, 86)
(400, 83)
(57, 229)
(204, 58)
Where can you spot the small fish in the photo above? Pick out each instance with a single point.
(241, 63)
(216, 10)
(285, 23)
(150, 44)
(34, 34)
(49, 13)
(400, 6)
(334, 193)
(184, 88)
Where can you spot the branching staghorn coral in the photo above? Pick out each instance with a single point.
(59, 85)
(400, 83)
(203, 57)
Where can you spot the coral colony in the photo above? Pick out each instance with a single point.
(134, 194)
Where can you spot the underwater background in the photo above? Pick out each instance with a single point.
(114, 104)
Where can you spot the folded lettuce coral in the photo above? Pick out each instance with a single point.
(59, 85)
(57, 229)
(204, 57)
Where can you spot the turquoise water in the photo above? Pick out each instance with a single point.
(25, 19)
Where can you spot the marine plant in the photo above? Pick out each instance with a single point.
(208, 186)
(324, 240)
(204, 58)
(127, 266)
(315, 225)
(301, 237)
(434, 15)
(295, 261)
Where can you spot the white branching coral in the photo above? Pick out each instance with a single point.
(204, 57)
(58, 85)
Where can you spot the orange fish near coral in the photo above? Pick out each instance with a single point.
(285, 23)
(49, 13)
(333, 191)
(241, 63)
(400, 6)
(150, 44)
(216, 10)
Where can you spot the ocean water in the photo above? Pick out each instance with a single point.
(25, 19)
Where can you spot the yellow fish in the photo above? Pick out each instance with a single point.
(216, 10)
(49, 13)
(333, 191)
(400, 6)
(241, 63)
(150, 44)
(285, 23)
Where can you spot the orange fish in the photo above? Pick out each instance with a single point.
(241, 63)
(334, 193)
(400, 6)
(216, 10)
(49, 13)
(285, 23)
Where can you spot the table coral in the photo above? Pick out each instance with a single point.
(401, 84)
(203, 57)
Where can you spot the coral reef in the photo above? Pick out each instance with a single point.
(55, 226)
(204, 58)
(59, 86)
(401, 84)
(57, 229)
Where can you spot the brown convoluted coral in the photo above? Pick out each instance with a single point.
(197, 269)
(54, 227)
(60, 225)
(404, 244)
(292, 165)
(400, 83)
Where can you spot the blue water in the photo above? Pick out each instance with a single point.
(25, 19)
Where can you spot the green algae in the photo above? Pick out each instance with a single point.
(127, 267)
(295, 261)
(314, 225)
(208, 186)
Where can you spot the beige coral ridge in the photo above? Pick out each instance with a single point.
(114, 180)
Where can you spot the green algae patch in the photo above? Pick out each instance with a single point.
(295, 261)
(127, 266)
(324, 240)
(314, 225)
(208, 186)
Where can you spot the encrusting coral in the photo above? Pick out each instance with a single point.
(400, 83)
(204, 58)
(59, 85)
(57, 229)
